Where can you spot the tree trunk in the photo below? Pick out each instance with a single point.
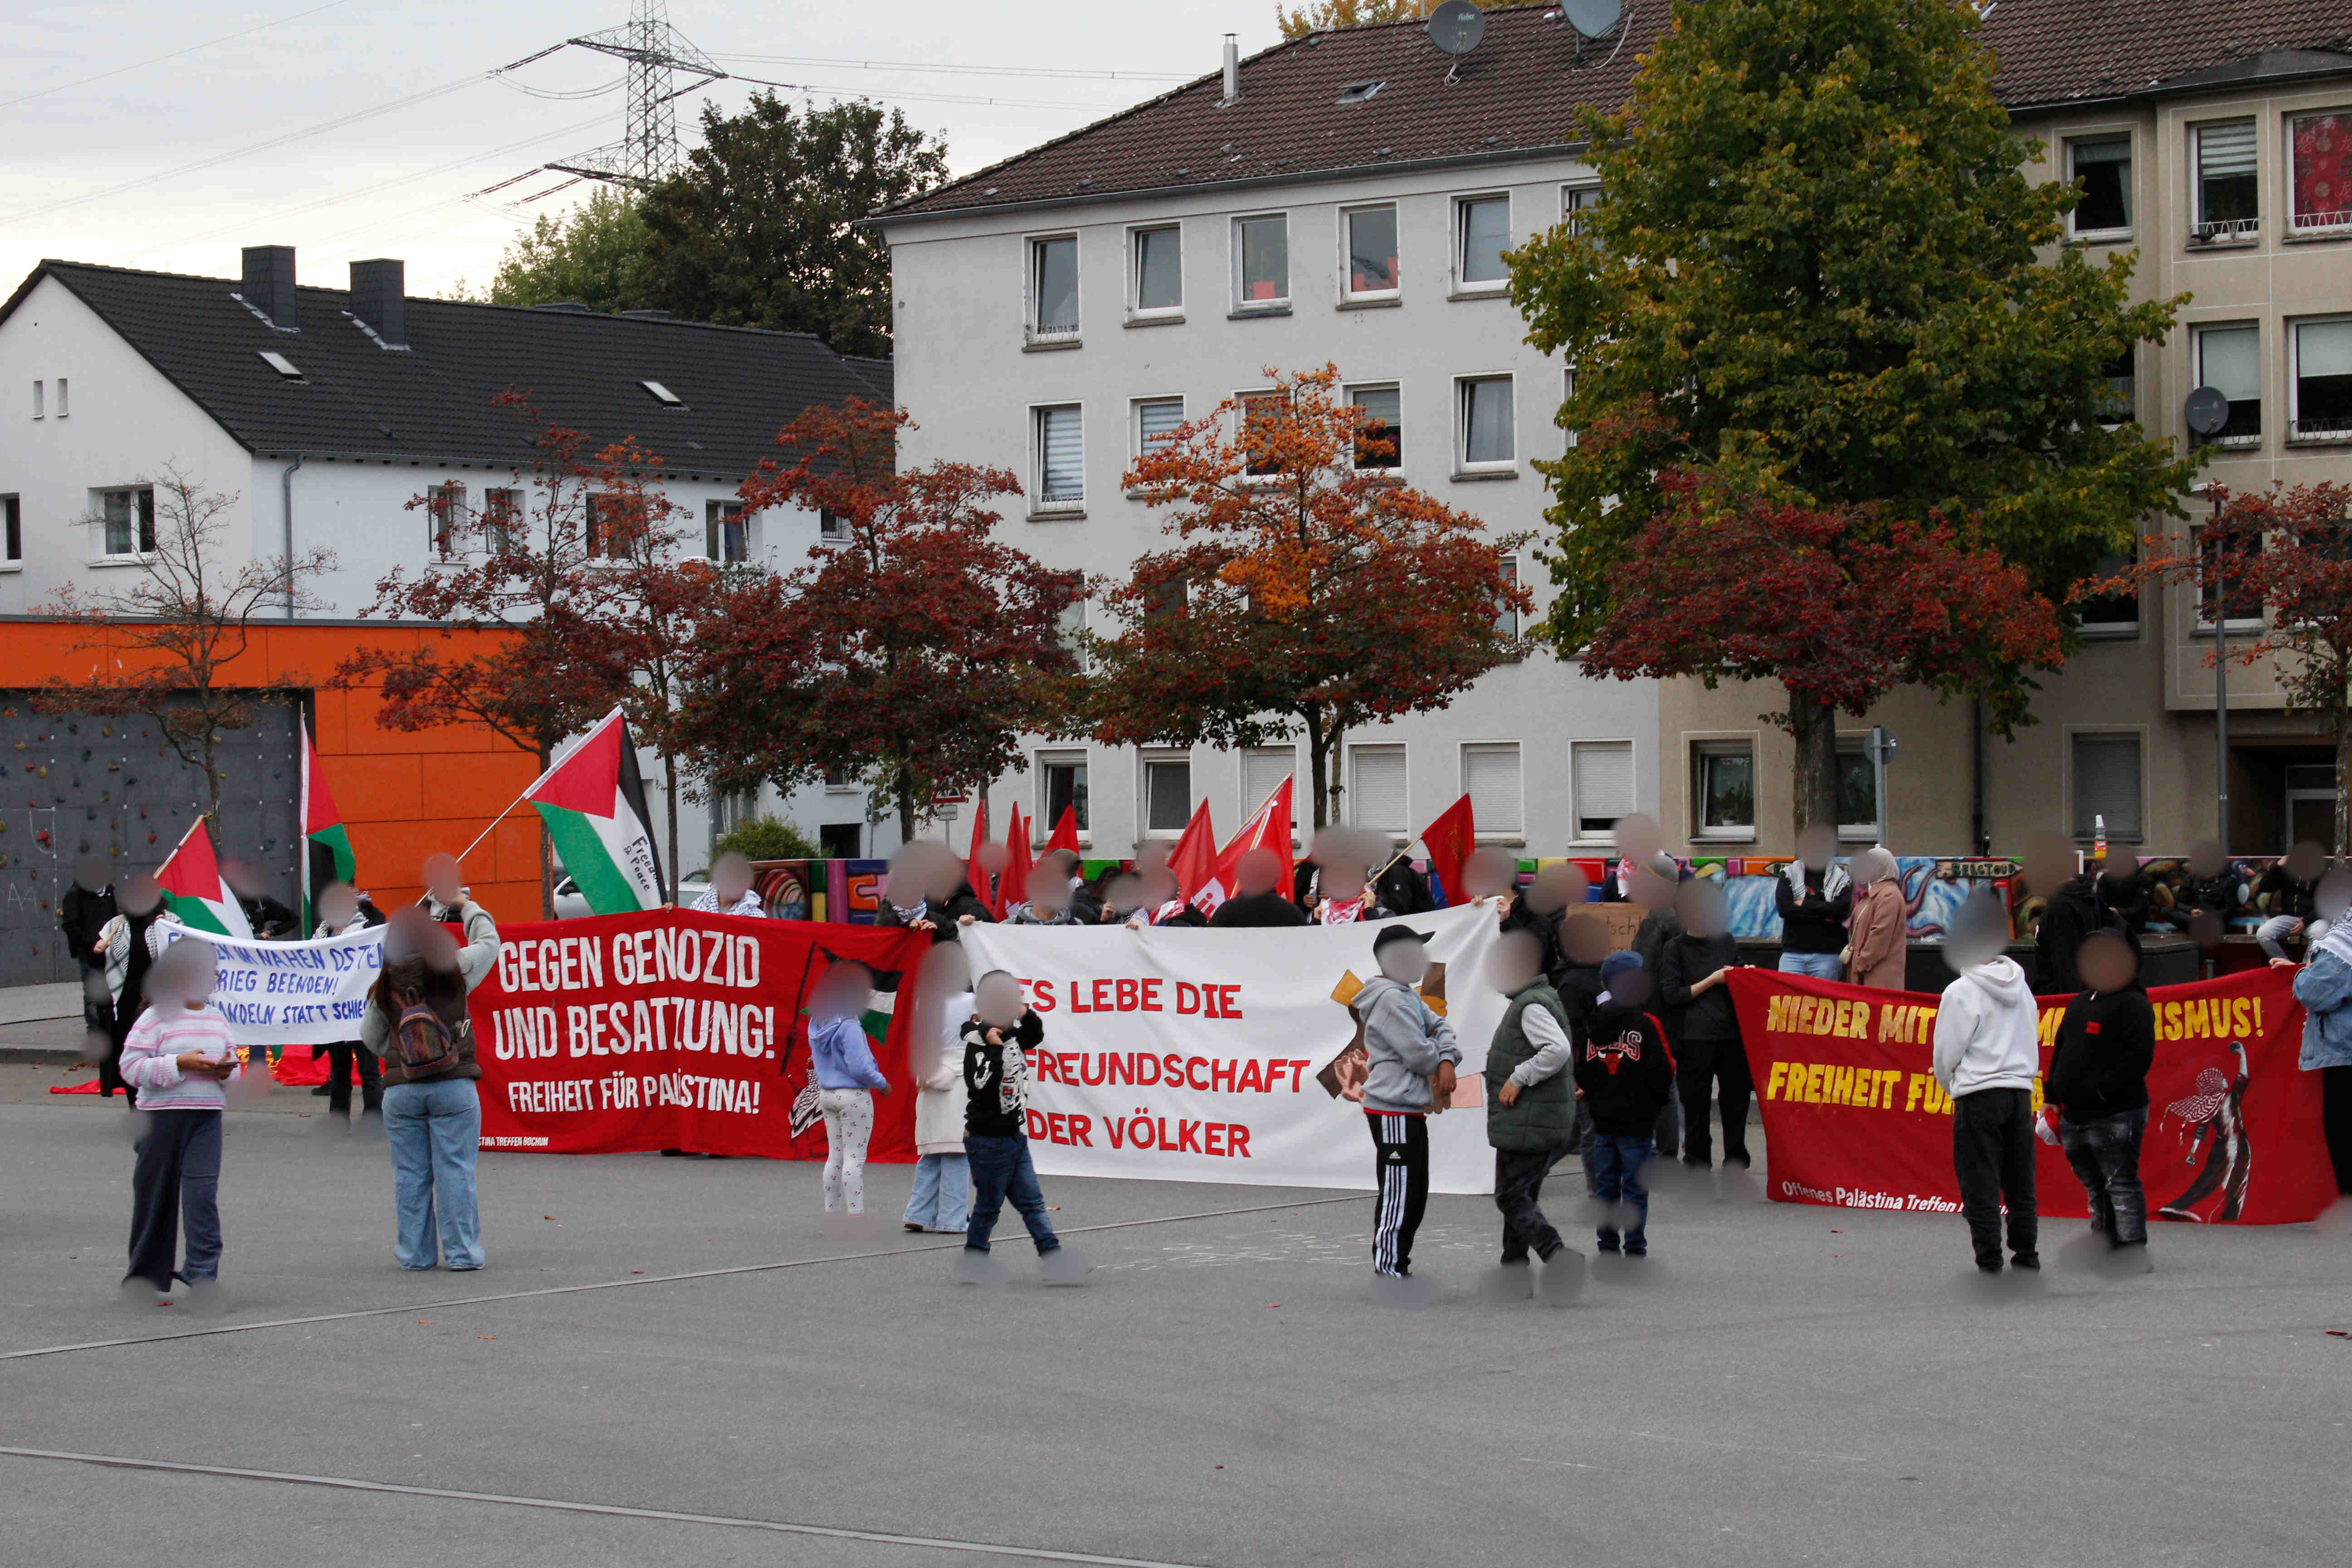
(905, 793)
(1318, 761)
(1814, 797)
(669, 773)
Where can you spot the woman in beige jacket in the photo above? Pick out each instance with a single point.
(1880, 927)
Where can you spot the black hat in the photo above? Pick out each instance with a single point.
(1389, 934)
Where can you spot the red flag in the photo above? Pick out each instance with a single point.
(1016, 861)
(1268, 827)
(1065, 832)
(1194, 858)
(1449, 840)
(974, 872)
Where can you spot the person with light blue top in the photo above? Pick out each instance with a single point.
(847, 1081)
(2323, 986)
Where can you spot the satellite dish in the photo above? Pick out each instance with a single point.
(1457, 27)
(2206, 410)
(1592, 18)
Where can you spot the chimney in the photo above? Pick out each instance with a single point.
(380, 300)
(269, 284)
(1232, 71)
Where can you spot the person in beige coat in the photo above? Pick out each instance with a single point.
(1879, 931)
(942, 1201)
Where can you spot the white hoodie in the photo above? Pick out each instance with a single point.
(1987, 1030)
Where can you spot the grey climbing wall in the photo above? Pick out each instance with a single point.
(72, 785)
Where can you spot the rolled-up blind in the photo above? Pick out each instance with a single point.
(1262, 771)
(1156, 418)
(1376, 795)
(1061, 456)
(2323, 347)
(1603, 783)
(2225, 149)
(1490, 776)
(2228, 360)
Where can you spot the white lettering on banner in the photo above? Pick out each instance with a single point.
(655, 957)
(1231, 1055)
(292, 993)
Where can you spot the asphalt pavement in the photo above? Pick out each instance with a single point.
(1775, 1384)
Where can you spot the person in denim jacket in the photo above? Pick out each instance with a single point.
(2323, 986)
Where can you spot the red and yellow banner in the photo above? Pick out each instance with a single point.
(1853, 1116)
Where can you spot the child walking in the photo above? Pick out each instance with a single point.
(1626, 1074)
(1409, 1062)
(847, 1081)
(178, 1054)
(996, 1039)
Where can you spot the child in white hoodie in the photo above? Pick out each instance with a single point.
(1988, 1054)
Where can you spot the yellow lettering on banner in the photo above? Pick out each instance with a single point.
(1858, 1027)
(2046, 1027)
(1911, 1100)
(1825, 1017)
(1894, 1024)
(1802, 1021)
(1814, 1082)
(1926, 1027)
(2241, 1012)
(1780, 1071)
(1776, 1017)
(2193, 1016)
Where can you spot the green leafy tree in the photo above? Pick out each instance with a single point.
(1819, 271)
(595, 254)
(755, 231)
(766, 839)
(1324, 15)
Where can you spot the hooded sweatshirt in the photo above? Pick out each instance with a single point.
(2106, 1045)
(1624, 1069)
(1986, 1030)
(1404, 1044)
(2072, 914)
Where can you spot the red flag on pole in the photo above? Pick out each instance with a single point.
(1065, 832)
(1016, 862)
(975, 873)
(1268, 827)
(1449, 841)
(1194, 858)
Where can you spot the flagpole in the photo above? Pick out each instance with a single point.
(541, 779)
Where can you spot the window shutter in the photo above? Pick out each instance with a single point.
(2106, 783)
(2323, 347)
(1263, 772)
(1490, 775)
(1061, 456)
(1376, 791)
(1603, 784)
(2228, 360)
(2225, 150)
(1155, 419)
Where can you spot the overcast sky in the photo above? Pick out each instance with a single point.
(99, 170)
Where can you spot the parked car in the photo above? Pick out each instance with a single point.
(571, 902)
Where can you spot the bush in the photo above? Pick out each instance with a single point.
(768, 839)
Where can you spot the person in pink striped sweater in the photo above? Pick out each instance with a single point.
(179, 1055)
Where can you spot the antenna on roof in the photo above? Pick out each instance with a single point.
(1455, 27)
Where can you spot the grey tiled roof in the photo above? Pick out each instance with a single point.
(436, 401)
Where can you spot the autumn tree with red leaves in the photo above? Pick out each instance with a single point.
(2284, 553)
(1309, 591)
(911, 651)
(1837, 605)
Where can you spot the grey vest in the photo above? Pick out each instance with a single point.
(1545, 1116)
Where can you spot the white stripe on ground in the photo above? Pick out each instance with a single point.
(557, 1505)
(624, 1284)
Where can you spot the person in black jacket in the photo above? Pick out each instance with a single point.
(82, 914)
(1626, 1074)
(1812, 921)
(1707, 1049)
(2069, 918)
(2098, 1085)
(1258, 900)
(997, 1040)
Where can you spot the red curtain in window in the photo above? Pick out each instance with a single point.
(2323, 171)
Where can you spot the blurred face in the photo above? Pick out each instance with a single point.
(1258, 872)
(999, 1000)
(1159, 887)
(1816, 847)
(1149, 855)
(1123, 894)
(184, 974)
(1980, 931)
(947, 970)
(140, 895)
(1405, 961)
(1514, 962)
(2334, 895)
(2305, 861)
(2049, 863)
(1637, 837)
(1630, 988)
(1585, 938)
(992, 859)
(731, 879)
(410, 933)
(1049, 891)
(1699, 902)
(1557, 887)
(338, 905)
(1343, 882)
(1488, 872)
(2108, 963)
(91, 875)
(2206, 859)
(444, 879)
(844, 992)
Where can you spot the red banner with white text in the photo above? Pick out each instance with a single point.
(666, 1029)
(1853, 1116)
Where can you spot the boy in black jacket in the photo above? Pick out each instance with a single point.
(996, 1043)
(2098, 1082)
(1626, 1074)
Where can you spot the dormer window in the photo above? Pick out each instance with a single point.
(281, 364)
(663, 395)
(1358, 91)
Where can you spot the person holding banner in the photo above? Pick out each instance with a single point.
(1257, 898)
(1409, 1062)
(418, 1024)
(1987, 1053)
(847, 1079)
(731, 892)
(341, 913)
(130, 942)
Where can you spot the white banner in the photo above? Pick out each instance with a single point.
(293, 993)
(1232, 1056)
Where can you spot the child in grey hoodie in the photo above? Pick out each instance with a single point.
(1409, 1062)
(1988, 1054)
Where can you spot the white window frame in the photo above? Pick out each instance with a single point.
(2238, 231)
(11, 522)
(64, 399)
(1136, 309)
(40, 399)
(1463, 289)
(1403, 830)
(2087, 137)
(2138, 735)
(1041, 823)
(1856, 743)
(1145, 762)
(714, 530)
(2344, 226)
(1032, 332)
(1349, 391)
(517, 521)
(1487, 834)
(830, 529)
(1241, 431)
(1511, 577)
(1298, 812)
(98, 515)
(444, 540)
(1135, 407)
(2113, 631)
(2199, 626)
(1576, 829)
(2294, 431)
(1461, 396)
(1349, 293)
(1245, 307)
(1071, 628)
(1730, 744)
(1570, 211)
(2196, 335)
(1039, 505)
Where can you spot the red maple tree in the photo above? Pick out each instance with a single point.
(1309, 590)
(1838, 606)
(912, 650)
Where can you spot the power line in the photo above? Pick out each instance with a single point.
(925, 97)
(175, 54)
(965, 70)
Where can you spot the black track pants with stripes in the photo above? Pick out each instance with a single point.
(1400, 1155)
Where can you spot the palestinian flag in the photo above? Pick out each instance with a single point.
(326, 848)
(194, 890)
(594, 803)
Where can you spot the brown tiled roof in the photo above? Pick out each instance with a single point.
(1517, 93)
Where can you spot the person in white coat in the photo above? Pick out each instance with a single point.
(1988, 1054)
(942, 1201)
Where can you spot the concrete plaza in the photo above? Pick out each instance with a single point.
(1778, 1384)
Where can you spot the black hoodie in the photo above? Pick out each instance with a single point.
(1625, 1071)
(2072, 914)
(1812, 923)
(2105, 1044)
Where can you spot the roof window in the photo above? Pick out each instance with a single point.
(1358, 91)
(281, 364)
(663, 395)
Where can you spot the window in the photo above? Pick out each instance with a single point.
(1507, 615)
(1567, 396)
(604, 527)
(1166, 793)
(2323, 381)
(65, 404)
(832, 526)
(1485, 417)
(1260, 262)
(2101, 166)
(837, 781)
(1262, 770)
(1262, 413)
(502, 521)
(1158, 266)
(2222, 573)
(730, 809)
(2111, 614)
(1490, 777)
(726, 537)
(1575, 201)
(1060, 459)
(1063, 777)
(2106, 786)
(2228, 360)
(1724, 785)
(12, 531)
(663, 395)
(1376, 790)
(1371, 233)
(2319, 151)
(1358, 92)
(1070, 627)
(2121, 404)
(2228, 202)
(40, 406)
(445, 513)
(1601, 780)
(130, 517)
(1381, 443)
(1156, 419)
(1054, 289)
(281, 364)
(1857, 788)
(1482, 232)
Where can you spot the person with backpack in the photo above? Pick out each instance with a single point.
(416, 1024)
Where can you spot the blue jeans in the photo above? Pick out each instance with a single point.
(176, 1182)
(942, 1196)
(1001, 1169)
(1820, 965)
(435, 1131)
(1617, 1178)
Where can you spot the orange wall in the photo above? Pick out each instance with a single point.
(403, 796)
